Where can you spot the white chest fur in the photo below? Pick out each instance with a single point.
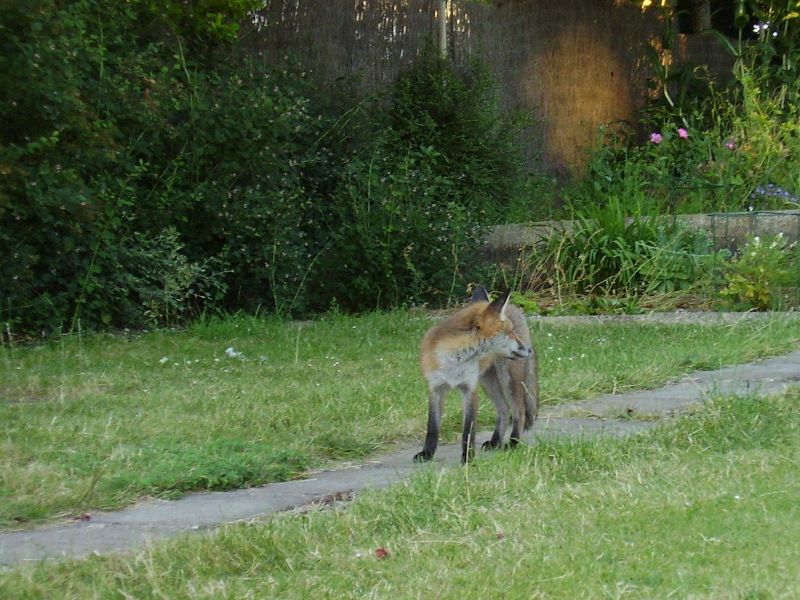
(455, 371)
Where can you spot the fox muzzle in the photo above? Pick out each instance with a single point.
(521, 351)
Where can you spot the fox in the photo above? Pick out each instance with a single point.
(486, 342)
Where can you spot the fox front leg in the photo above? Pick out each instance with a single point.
(435, 398)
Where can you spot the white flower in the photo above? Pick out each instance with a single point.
(231, 353)
(163, 359)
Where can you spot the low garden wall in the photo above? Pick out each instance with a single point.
(507, 243)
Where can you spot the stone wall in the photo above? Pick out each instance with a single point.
(508, 243)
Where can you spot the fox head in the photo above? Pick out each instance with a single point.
(495, 329)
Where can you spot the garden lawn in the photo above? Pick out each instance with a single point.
(96, 422)
(705, 507)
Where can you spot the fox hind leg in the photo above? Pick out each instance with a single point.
(517, 416)
(470, 402)
(517, 412)
(492, 385)
(531, 390)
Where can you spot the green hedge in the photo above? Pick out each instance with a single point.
(151, 167)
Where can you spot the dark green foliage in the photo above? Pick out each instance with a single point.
(64, 187)
(151, 167)
(244, 174)
(456, 113)
(405, 216)
(399, 233)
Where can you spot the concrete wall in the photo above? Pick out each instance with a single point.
(508, 243)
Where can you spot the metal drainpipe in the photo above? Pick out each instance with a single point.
(442, 13)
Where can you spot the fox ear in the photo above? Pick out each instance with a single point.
(499, 306)
(479, 294)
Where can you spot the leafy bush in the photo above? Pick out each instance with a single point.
(758, 277)
(66, 178)
(152, 167)
(404, 220)
(456, 112)
(250, 172)
(168, 286)
(118, 132)
(400, 235)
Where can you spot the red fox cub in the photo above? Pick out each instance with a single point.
(488, 342)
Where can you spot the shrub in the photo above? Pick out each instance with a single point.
(456, 112)
(400, 234)
(759, 275)
(113, 139)
(152, 167)
(404, 221)
(67, 179)
(250, 178)
(168, 286)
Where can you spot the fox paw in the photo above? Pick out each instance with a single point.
(490, 445)
(493, 445)
(423, 456)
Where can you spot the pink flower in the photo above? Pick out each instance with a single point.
(656, 137)
(730, 145)
(682, 133)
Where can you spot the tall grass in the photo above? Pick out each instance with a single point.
(611, 251)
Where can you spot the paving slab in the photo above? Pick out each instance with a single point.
(134, 527)
(769, 376)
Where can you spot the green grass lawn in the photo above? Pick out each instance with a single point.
(97, 422)
(705, 507)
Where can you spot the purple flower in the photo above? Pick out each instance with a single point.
(682, 133)
(656, 137)
(730, 145)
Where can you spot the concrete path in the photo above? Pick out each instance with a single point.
(606, 415)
